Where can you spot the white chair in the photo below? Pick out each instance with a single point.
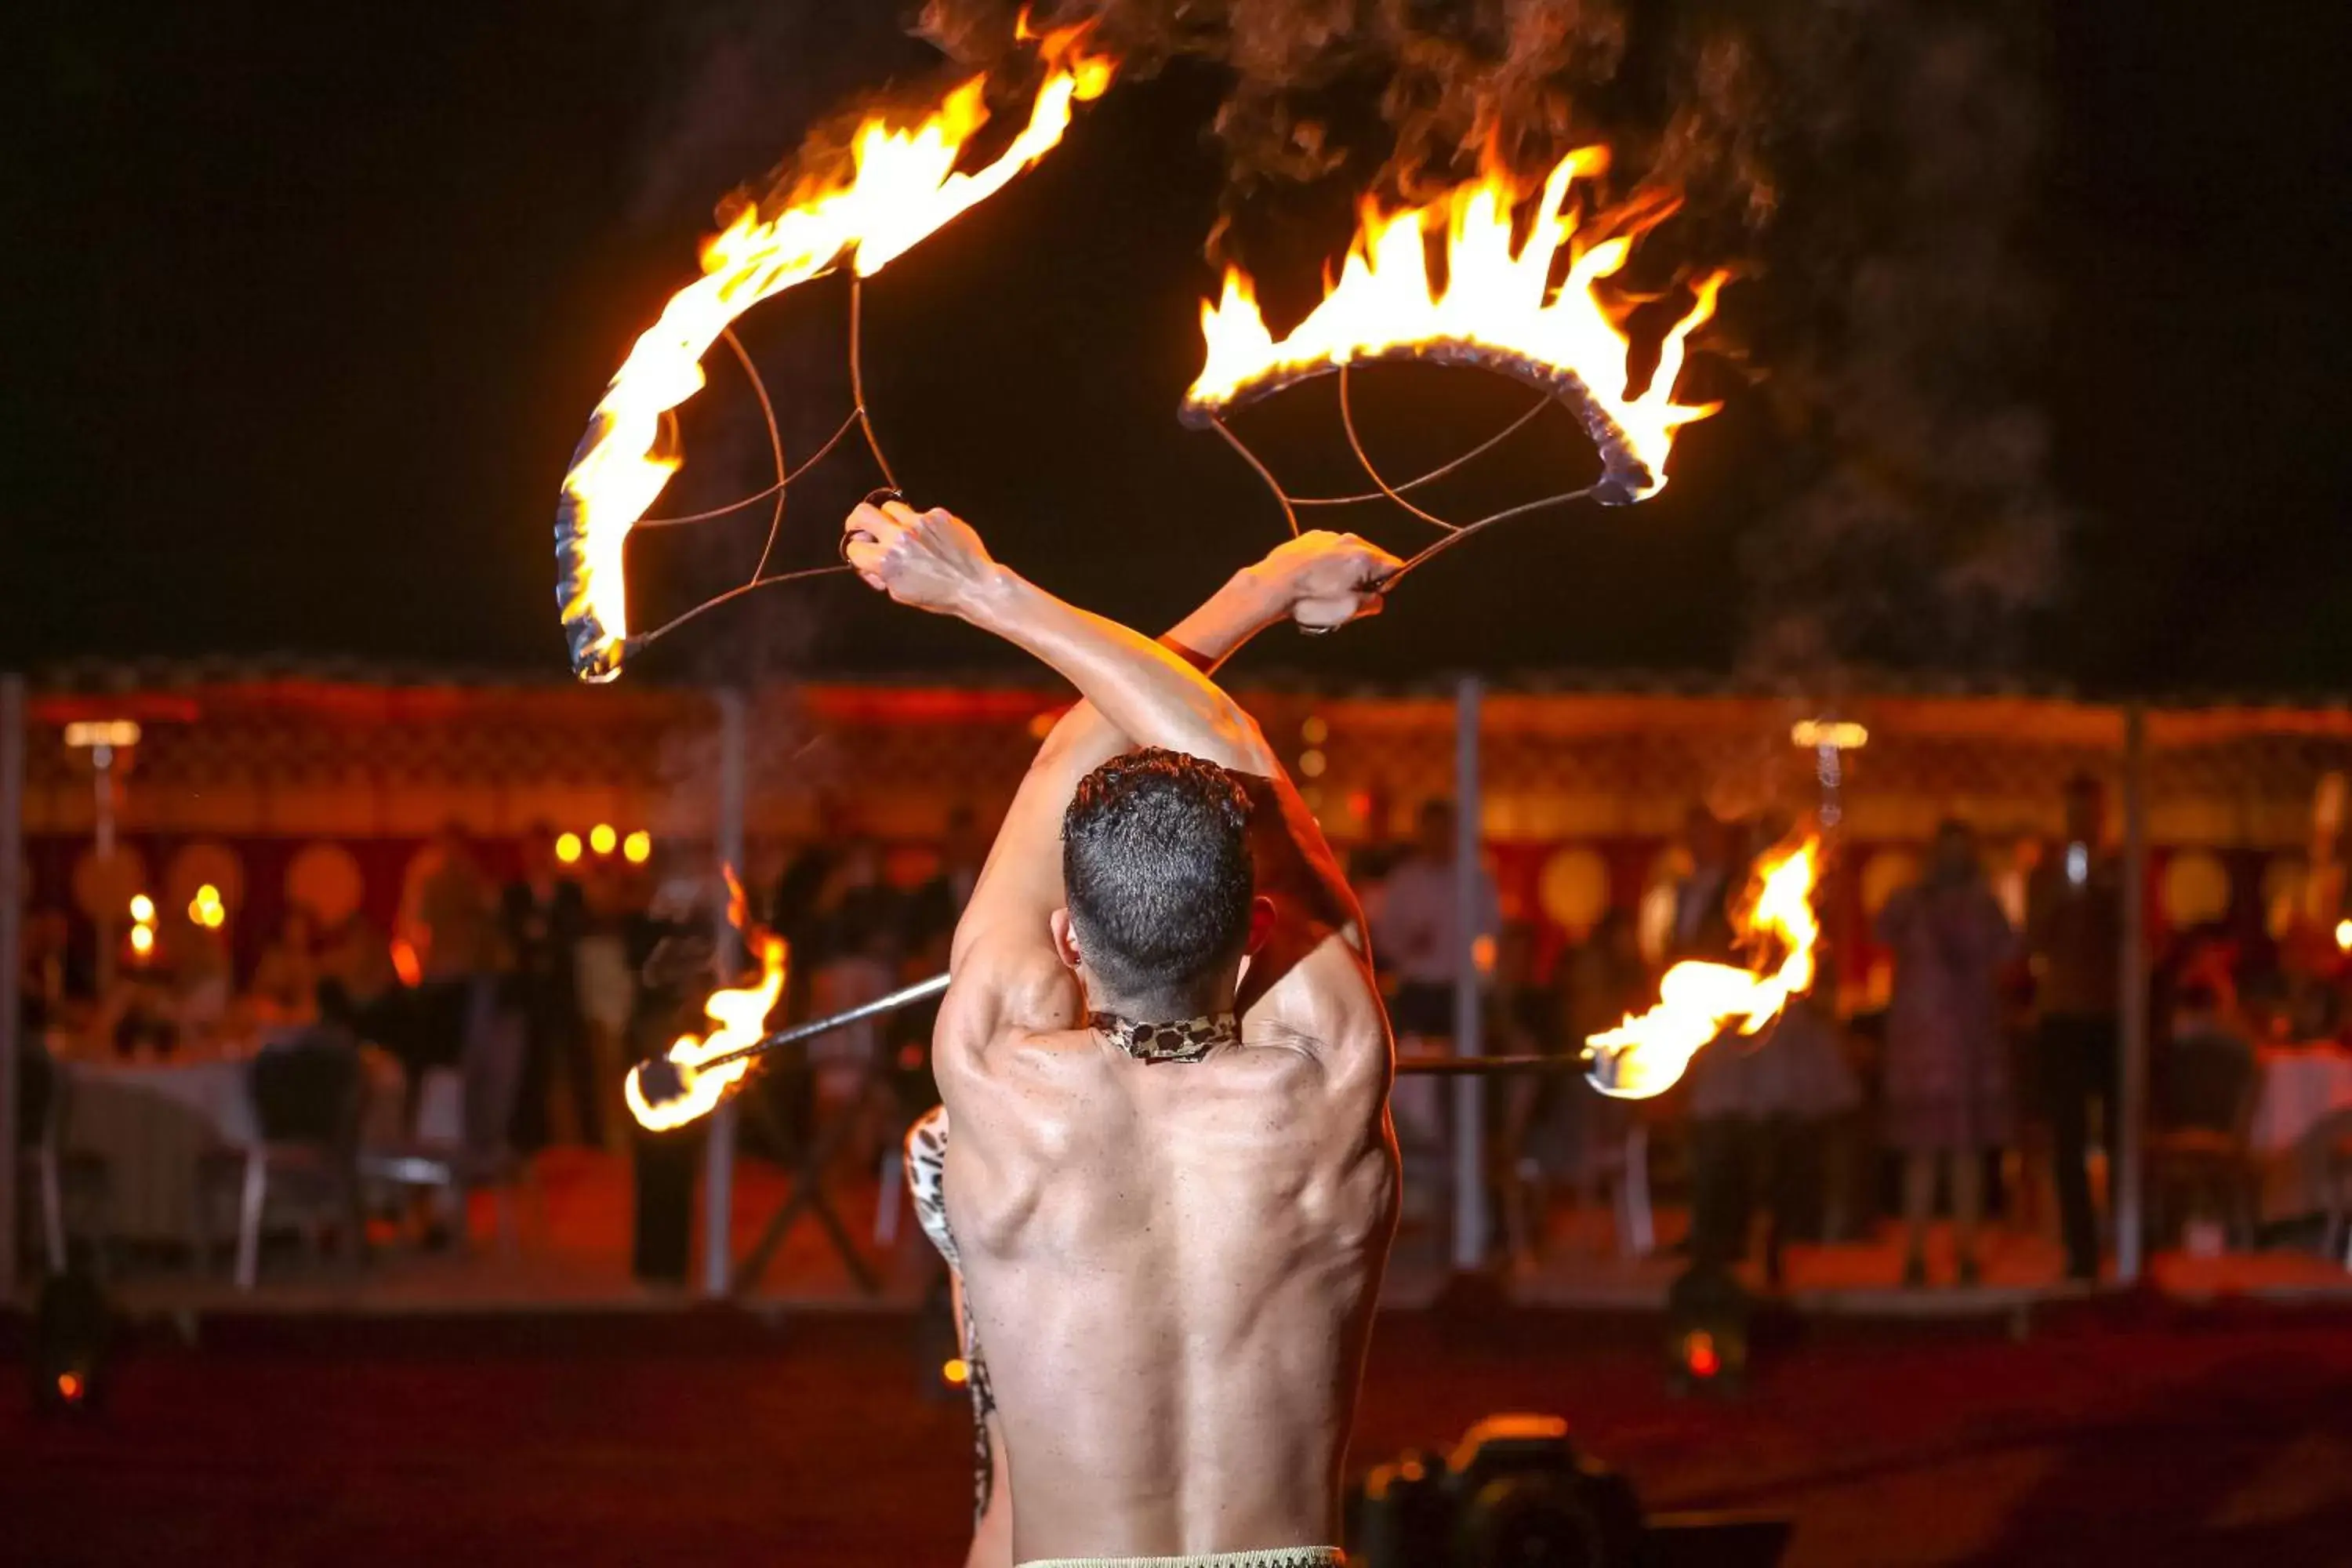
(309, 1099)
(43, 1110)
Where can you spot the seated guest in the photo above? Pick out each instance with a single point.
(286, 981)
(2207, 1068)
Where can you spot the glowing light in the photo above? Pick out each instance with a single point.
(1314, 730)
(404, 964)
(1842, 734)
(955, 1373)
(2344, 936)
(86, 733)
(1495, 299)
(70, 1387)
(142, 909)
(567, 849)
(1312, 763)
(901, 185)
(637, 847)
(1697, 1001)
(603, 838)
(143, 940)
(1700, 1355)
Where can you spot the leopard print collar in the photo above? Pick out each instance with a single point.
(1187, 1040)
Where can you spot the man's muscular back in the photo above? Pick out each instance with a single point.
(1170, 1266)
(1173, 1265)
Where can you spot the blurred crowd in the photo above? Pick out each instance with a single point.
(1973, 1071)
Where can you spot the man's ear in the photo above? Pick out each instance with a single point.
(1261, 924)
(1065, 941)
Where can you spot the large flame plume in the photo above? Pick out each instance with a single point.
(1697, 1001)
(902, 186)
(741, 1015)
(1496, 301)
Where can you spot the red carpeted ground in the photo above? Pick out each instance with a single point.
(2127, 1436)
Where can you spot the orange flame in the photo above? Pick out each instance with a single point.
(1494, 298)
(741, 1015)
(902, 186)
(1697, 1001)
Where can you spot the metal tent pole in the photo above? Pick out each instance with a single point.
(718, 1152)
(2125, 1140)
(1469, 1091)
(12, 969)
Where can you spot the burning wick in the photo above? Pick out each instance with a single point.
(1697, 1001)
(689, 1082)
(1496, 309)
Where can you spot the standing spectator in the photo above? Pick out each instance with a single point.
(1600, 983)
(2074, 936)
(446, 922)
(854, 940)
(1371, 858)
(448, 911)
(1946, 1067)
(671, 947)
(1415, 936)
(605, 985)
(1700, 897)
(1416, 932)
(544, 916)
(1522, 1019)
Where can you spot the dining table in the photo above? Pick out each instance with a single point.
(150, 1119)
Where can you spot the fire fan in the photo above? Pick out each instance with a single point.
(1496, 309)
(902, 185)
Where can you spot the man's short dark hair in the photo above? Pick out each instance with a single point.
(1156, 861)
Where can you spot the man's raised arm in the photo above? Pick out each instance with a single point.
(1151, 695)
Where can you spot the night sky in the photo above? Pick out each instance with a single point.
(310, 304)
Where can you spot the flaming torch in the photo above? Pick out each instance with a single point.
(902, 185)
(695, 1074)
(1496, 310)
(1697, 1001)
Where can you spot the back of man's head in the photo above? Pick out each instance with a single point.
(1156, 862)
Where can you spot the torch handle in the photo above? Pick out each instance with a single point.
(924, 989)
(905, 996)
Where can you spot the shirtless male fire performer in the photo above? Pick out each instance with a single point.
(1171, 1180)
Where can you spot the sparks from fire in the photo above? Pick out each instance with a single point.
(903, 185)
(1697, 1001)
(1494, 298)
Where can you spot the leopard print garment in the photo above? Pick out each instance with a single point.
(927, 1168)
(1187, 1040)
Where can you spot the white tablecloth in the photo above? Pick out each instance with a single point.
(151, 1121)
(2299, 1089)
(2301, 1092)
